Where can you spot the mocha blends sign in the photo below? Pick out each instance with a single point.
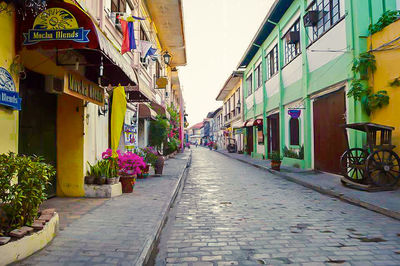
(56, 24)
(81, 88)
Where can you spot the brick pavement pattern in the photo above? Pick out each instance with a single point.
(116, 232)
(231, 213)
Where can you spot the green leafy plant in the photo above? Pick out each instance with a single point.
(289, 153)
(364, 66)
(386, 19)
(20, 200)
(395, 82)
(275, 156)
(158, 132)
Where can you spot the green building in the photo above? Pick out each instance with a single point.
(297, 72)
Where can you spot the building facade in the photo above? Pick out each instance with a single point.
(297, 74)
(232, 103)
(59, 85)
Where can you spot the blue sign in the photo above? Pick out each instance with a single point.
(8, 92)
(10, 99)
(76, 35)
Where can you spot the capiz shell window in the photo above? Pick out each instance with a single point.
(249, 84)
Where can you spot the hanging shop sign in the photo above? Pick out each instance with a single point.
(162, 83)
(8, 92)
(79, 87)
(130, 136)
(294, 113)
(55, 24)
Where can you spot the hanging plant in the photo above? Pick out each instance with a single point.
(23, 7)
(395, 82)
(17, 68)
(386, 19)
(363, 66)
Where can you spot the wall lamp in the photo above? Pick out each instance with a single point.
(167, 58)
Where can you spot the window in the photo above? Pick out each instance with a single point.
(143, 35)
(118, 5)
(328, 15)
(158, 69)
(292, 46)
(294, 131)
(258, 77)
(238, 101)
(249, 84)
(272, 62)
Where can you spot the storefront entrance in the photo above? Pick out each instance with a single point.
(37, 123)
(329, 139)
(273, 133)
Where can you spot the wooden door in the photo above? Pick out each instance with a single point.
(37, 122)
(273, 133)
(250, 143)
(329, 139)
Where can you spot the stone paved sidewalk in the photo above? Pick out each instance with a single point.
(123, 230)
(385, 202)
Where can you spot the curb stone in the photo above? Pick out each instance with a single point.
(151, 241)
(329, 192)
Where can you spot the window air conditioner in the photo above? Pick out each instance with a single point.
(310, 19)
(293, 37)
(53, 85)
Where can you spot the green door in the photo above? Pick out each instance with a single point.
(37, 122)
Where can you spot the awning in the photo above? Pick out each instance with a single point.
(160, 110)
(65, 27)
(249, 123)
(145, 112)
(134, 94)
(258, 122)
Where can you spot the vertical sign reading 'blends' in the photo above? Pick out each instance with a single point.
(79, 87)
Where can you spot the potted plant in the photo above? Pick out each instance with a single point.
(90, 174)
(158, 135)
(150, 156)
(130, 164)
(276, 160)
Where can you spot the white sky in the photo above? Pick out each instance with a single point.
(217, 34)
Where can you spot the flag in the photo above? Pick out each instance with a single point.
(128, 32)
(151, 52)
(118, 110)
(144, 47)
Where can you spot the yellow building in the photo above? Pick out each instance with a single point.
(8, 116)
(387, 72)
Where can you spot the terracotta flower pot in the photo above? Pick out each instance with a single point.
(158, 168)
(127, 182)
(100, 180)
(276, 165)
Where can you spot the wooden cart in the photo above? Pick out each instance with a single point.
(375, 166)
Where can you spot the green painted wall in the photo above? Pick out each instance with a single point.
(359, 15)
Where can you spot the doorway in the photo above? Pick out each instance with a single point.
(329, 139)
(273, 133)
(37, 122)
(250, 144)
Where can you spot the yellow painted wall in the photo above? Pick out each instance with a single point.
(70, 144)
(388, 68)
(8, 117)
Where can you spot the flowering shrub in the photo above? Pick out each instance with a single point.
(150, 155)
(130, 163)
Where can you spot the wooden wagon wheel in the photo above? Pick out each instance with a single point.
(352, 164)
(383, 168)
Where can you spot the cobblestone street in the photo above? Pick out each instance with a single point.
(230, 213)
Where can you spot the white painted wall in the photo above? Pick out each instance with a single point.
(259, 95)
(292, 72)
(249, 102)
(398, 4)
(334, 40)
(96, 134)
(272, 86)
